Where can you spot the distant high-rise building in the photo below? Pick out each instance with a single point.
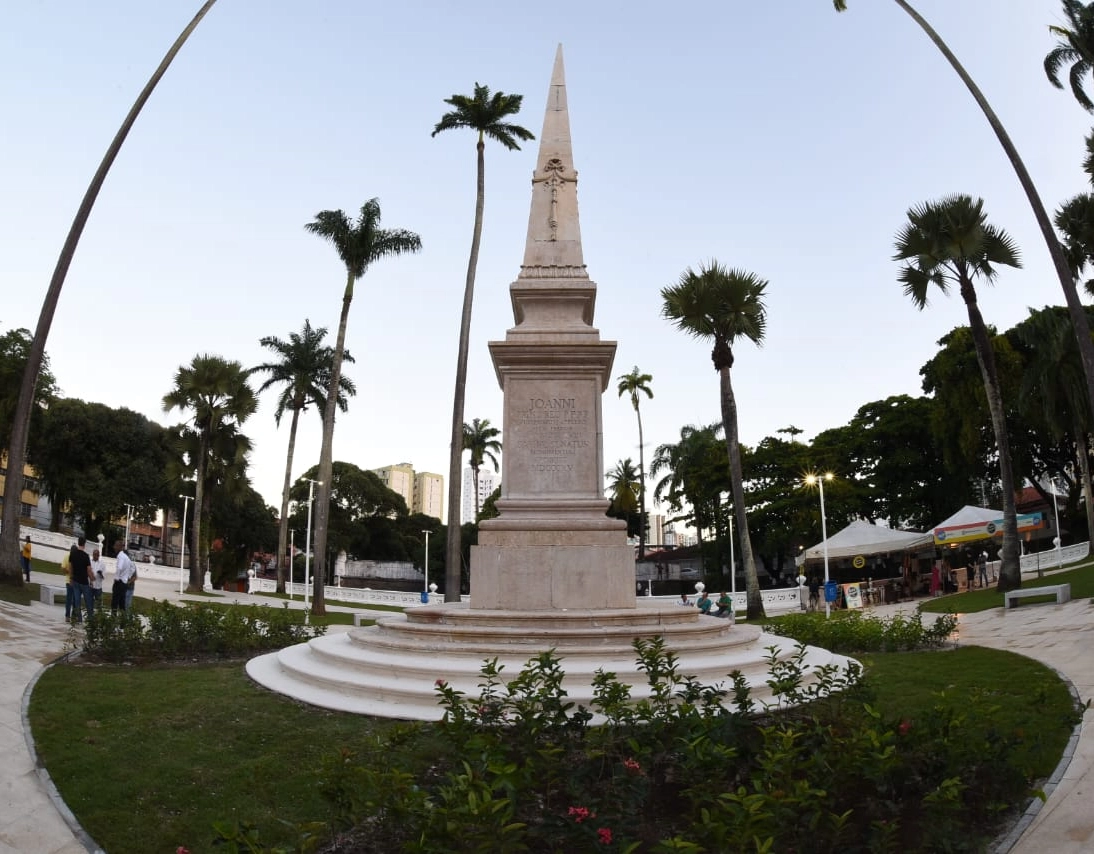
(422, 491)
(428, 494)
(488, 482)
(655, 534)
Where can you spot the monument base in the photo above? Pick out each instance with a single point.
(391, 669)
(571, 573)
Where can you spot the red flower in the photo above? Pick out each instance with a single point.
(182, 849)
(605, 835)
(440, 683)
(579, 814)
(632, 765)
(905, 727)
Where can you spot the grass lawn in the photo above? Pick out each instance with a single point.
(149, 757)
(1081, 579)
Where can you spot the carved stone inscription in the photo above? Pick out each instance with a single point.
(553, 437)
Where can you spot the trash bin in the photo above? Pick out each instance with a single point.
(425, 597)
(831, 592)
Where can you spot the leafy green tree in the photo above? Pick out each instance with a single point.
(1074, 48)
(15, 346)
(303, 370)
(487, 115)
(1056, 251)
(1052, 391)
(216, 392)
(781, 517)
(243, 524)
(100, 460)
(951, 242)
(358, 244)
(480, 438)
(633, 384)
(724, 305)
(10, 571)
(357, 496)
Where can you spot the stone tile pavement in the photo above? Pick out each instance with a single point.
(33, 819)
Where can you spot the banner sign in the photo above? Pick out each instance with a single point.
(980, 530)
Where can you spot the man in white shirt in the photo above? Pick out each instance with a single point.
(124, 570)
(98, 573)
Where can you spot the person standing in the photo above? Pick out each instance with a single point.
(98, 573)
(814, 591)
(81, 580)
(24, 558)
(123, 572)
(982, 568)
(70, 592)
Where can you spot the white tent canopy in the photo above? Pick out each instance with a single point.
(863, 538)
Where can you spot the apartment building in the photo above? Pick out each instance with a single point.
(423, 492)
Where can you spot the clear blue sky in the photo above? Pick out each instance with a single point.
(777, 137)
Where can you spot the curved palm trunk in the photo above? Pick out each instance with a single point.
(641, 487)
(1063, 270)
(1010, 573)
(283, 527)
(10, 571)
(326, 459)
(736, 476)
(453, 547)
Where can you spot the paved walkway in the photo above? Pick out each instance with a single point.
(33, 820)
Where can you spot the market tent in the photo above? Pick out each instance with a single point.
(863, 538)
(977, 523)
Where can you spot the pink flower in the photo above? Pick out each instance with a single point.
(440, 683)
(605, 835)
(182, 849)
(579, 814)
(905, 727)
(632, 765)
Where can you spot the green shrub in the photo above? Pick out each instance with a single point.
(163, 631)
(853, 631)
(692, 768)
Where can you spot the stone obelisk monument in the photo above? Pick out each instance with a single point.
(552, 547)
(552, 571)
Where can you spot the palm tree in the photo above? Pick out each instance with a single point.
(631, 384)
(1074, 47)
(725, 305)
(216, 391)
(951, 242)
(1076, 310)
(624, 488)
(10, 571)
(486, 114)
(303, 368)
(480, 438)
(695, 473)
(358, 244)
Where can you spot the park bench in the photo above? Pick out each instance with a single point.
(1061, 591)
(47, 593)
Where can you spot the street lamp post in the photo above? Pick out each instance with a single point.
(1056, 512)
(307, 543)
(426, 567)
(182, 532)
(818, 481)
(292, 554)
(128, 515)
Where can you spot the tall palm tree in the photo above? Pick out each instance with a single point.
(695, 473)
(951, 242)
(358, 245)
(481, 439)
(303, 369)
(217, 393)
(1075, 307)
(10, 571)
(486, 114)
(1074, 47)
(725, 305)
(631, 384)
